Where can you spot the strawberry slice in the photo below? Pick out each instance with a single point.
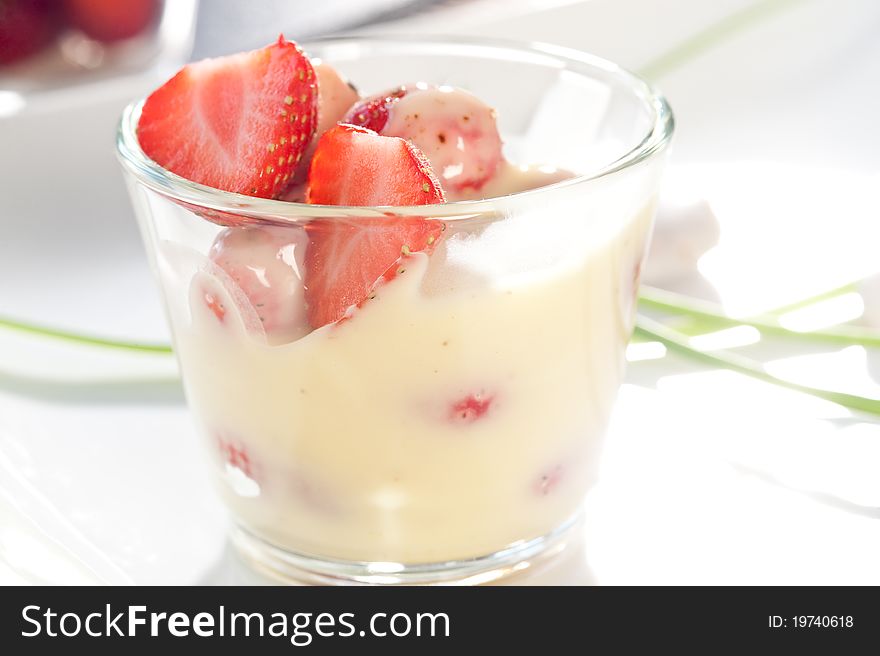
(346, 260)
(356, 166)
(238, 123)
(263, 263)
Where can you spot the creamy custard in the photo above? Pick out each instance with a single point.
(342, 444)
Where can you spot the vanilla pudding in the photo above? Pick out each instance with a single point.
(435, 423)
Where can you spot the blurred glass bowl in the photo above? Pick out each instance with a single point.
(47, 45)
(64, 206)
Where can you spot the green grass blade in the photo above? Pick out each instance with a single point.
(705, 40)
(678, 343)
(80, 338)
(679, 304)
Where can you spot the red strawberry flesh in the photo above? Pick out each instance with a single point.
(372, 112)
(345, 259)
(356, 166)
(470, 408)
(238, 123)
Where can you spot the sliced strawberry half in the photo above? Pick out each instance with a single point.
(345, 260)
(356, 166)
(238, 123)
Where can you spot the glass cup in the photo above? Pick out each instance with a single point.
(450, 426)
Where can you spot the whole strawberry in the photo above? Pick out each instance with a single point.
(111, 20)
(25, 27)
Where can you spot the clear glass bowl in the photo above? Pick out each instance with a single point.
(450, 428)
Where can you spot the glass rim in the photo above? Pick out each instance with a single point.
(163, 181)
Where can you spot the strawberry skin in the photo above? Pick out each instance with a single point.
(454, 129)
(238, 123)
(345, 260)
(372, 113)
(355, 166)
